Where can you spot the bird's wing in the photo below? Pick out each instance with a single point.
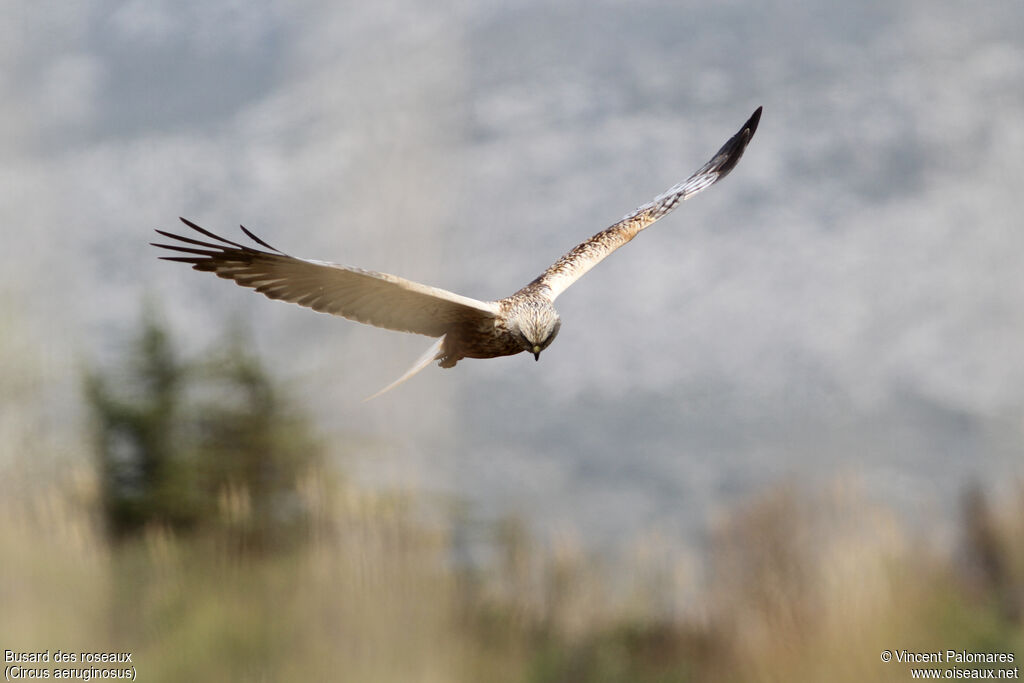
(366, 296)
(585, 256)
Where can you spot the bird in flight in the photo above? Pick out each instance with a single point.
(464, 327)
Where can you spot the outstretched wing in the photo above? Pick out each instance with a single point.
(585, 256)
(366, 296)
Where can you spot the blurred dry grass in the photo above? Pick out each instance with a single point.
(800, 587)
(793, 585)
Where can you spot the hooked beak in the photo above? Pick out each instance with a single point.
(536, 352)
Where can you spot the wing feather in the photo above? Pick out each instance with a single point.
(575, 264)
(366, 296)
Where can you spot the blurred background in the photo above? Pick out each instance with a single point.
(787, 414)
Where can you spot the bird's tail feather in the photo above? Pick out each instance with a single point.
(432, 354)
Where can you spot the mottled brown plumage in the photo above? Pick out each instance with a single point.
(465, 327)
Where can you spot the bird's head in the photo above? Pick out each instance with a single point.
(536, 328)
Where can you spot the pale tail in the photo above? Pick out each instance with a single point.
(432, 354)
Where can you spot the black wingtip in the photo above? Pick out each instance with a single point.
(751, 124)
(257, 240)
(204, 231)
(731, 152)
